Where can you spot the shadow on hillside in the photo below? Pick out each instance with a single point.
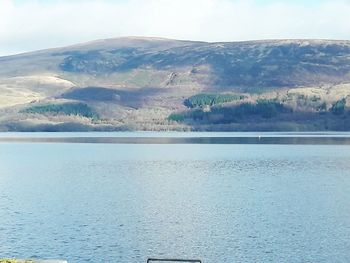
(134, 98)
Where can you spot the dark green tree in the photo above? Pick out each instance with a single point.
(338, 107)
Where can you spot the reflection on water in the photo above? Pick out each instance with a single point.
(192, 139)
(219, 203)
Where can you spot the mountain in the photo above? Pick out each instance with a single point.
(136, 83)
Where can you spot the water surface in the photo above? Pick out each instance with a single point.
(99, 202)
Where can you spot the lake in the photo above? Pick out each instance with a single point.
(219, 197)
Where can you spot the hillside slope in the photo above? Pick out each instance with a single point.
(144, 84)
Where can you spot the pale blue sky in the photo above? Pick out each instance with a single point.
(260, 2)
(27, 25)
(257, 1)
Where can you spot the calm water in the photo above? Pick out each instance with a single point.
(99, 202)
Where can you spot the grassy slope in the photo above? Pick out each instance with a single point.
(144, 80)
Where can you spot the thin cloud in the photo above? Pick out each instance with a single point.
(32, 25)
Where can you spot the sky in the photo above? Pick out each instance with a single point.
(27, 25)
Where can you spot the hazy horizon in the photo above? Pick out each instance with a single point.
(166, 38)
